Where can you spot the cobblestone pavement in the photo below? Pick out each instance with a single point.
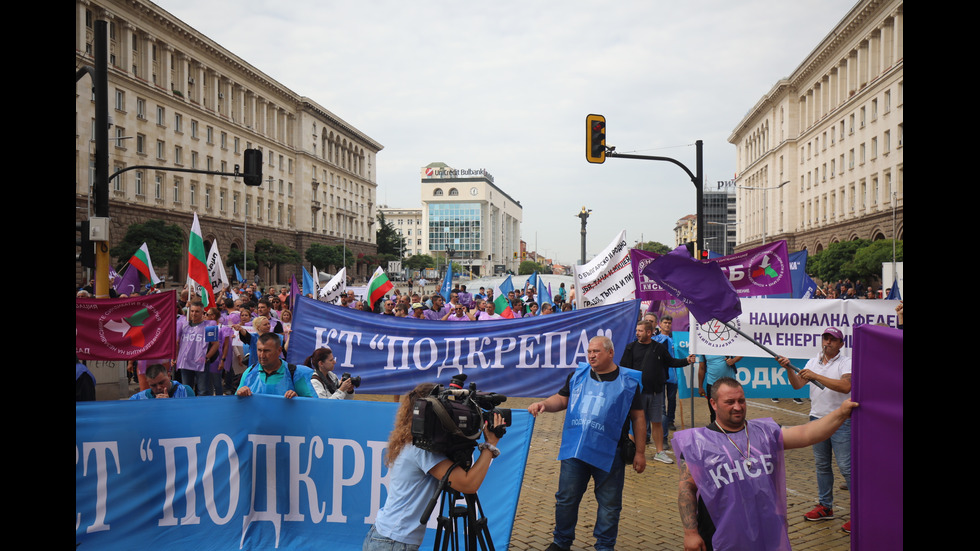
(650, 520)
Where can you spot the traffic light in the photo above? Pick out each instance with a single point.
(595, 139)
(87, 254)
(704, 254)
(253, 167)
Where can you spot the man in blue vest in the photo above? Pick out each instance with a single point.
(161, 386)
(600, 398)
(273, 375)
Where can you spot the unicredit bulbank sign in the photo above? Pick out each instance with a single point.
(446, 172)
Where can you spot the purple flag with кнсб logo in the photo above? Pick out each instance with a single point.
(701, 286)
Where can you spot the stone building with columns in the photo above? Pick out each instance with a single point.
(820, 156)
(177, 99)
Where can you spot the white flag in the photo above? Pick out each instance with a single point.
(216, 270)
(332, 290)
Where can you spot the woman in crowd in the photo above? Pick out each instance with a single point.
(414, 475)
(325, 381)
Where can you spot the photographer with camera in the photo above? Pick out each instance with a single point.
(324, 381)
(414, 476)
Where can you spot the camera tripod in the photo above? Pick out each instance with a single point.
(474, 522)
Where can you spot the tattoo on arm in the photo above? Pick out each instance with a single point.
(687, 498)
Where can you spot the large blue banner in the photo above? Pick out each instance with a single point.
(260, 472)
(522, 357)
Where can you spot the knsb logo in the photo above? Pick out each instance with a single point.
(716, 334)
(766, 269)
(130, 328)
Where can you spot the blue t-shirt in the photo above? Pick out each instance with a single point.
(410, 488)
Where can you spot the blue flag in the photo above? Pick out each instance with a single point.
(894, 293)
(544, 293)
(308, 286)
(447, 282)
(238, 275)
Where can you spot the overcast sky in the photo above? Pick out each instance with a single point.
(506, 86)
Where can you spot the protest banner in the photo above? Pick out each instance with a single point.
(791, 327)
(514, 357)
(260, 472)
(607, 278)
(126, 328)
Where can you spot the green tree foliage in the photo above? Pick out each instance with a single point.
(236, 257)
(389, 242)
(273, 254)
(324, 256)
(166, 243)
(867, 261)
(655, 247)
(858, 259)
(528, 267)
(420, 262)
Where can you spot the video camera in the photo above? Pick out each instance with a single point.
(449, 420)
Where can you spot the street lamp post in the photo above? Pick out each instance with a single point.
(584, 215)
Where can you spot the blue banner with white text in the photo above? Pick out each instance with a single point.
(526, 357)
(260, 472)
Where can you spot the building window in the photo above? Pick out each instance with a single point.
(862, 154)
(453, 192)
(207, 197)
(194, 159)
(141, 109)
(193, 194)
(141, 144)
(874, 147)
(237, 146)
(888, 101)
(158, 187)
(863, 116)
(210, 135)
(224, 140)
(178, 123)
(120, 134)
(874, 109)
(176, 192)
(161, 150)
(210, 163)
(120, 100)
(178, 155)
(221, 200)
(437, 192)
(234, 203)
(161, 116)
(138, 177)
(888, 141)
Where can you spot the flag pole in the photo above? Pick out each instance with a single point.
(818, 384)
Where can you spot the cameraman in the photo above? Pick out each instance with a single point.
(414, 477)
(324, 381)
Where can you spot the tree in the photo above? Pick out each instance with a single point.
(830, 264)
(166, 243)
(655, 247)
(420, 262)
(867, 261)
(236, 257)
(324, 256)
(273, 254)
(389, 242)
(528, 267)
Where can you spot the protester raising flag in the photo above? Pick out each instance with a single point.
(308, 287)
(128, 284)
(544, 292)
(238, 275)
(378, 286)
(141, 261)
(197, 268)
(500, 303)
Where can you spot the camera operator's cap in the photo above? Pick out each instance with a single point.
(833, 332)
(417, 305)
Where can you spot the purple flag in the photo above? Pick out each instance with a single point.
(702, 287)
(877, 441)
(293, 290)
(128, 283)
(646, 288)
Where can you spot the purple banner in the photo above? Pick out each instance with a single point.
(877, 442)
(126, 328)
(756, 272)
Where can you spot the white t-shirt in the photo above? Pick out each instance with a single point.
(824, 401)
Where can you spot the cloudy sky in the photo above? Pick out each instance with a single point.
(506, 86)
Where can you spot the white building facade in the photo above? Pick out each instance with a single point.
(820, 156)
(180, 100)
(464, 211)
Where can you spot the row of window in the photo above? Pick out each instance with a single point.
(837, 165)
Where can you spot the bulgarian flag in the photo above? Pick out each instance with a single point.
(141, 261)
(378, 286)
(197, 269)
(500, 304)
